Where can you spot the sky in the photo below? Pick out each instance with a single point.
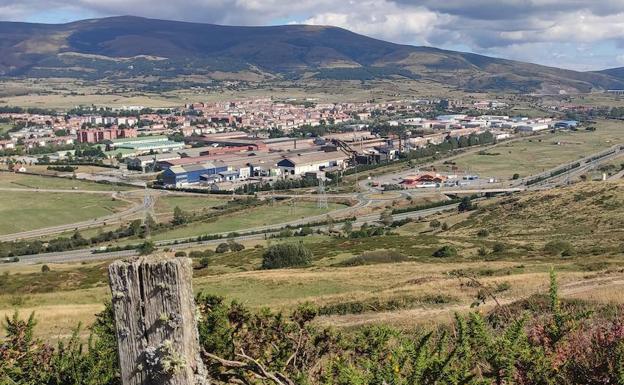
(575, 34)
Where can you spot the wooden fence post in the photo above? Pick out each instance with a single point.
(156, 322)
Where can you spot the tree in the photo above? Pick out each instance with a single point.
(284, 255)
(146, 248)
(347, 227)
(466, 204)
(148, 225)
(386, 218)
(445, 252)
(180, 217)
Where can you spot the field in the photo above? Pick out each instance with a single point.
(531, 156)
(392, 278)
(24, 181)
(255, 217)
(25, 211)
(166, 204)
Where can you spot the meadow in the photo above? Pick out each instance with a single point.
(534, 155)
(26, 181)
(27, 210)
(249, 218)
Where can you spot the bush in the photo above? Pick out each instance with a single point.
(222, 248)
(483, 233)
(375, 257)
(466, 204)
(146, 248)
(180, 254)
(286, 255)
(559, 248)
(235, 246)
(445, 252)
(434, 224)
(445, 226)
(498, 247)
(45, 268)
(204, 262)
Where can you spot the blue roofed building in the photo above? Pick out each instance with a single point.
(566, 124)
(192, 173)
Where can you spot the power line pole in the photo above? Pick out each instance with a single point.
(322, 195)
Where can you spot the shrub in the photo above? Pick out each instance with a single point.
(483, 233)
(45, 268)
(559, 248)
(204, 262)
(222, 248)
(434, 224)
(375, 257)
(445, 226)
(498, 247)
(466, 204)
(286, 255)
(235, 246)
(146, 248)
(180, 254)
(445, 252)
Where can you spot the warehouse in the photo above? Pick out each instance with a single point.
(192, 173)
(312, 162)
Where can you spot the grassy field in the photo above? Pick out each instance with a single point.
(531, 156)
(166, 204)
(4, 127)
(34, 210)
(255, 217)
(23, 181)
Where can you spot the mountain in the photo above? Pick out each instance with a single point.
(132, 47)
(617, 73)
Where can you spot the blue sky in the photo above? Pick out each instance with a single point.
(575, 34)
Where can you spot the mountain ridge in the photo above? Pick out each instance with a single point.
(286, 51)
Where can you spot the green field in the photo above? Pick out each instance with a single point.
(25, 211)
(534, 155)
(166, 204)
(23, 181)
(255, 217)
(4, 127)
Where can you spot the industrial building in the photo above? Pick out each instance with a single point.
(312, 162)
(192, 173)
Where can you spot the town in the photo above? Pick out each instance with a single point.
(226, 146)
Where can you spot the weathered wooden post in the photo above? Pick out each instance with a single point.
(156, 322)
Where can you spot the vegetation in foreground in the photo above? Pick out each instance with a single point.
(541, 340)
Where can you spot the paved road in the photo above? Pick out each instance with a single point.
(89, 255)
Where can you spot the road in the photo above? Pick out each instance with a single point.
(363, 199)
(92, 255)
